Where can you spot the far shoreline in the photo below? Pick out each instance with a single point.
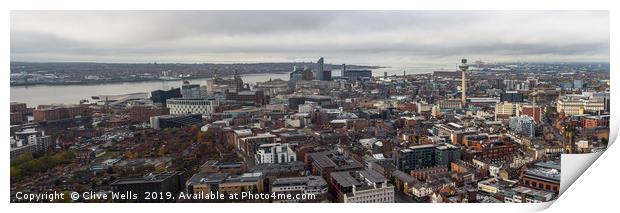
(127, 81)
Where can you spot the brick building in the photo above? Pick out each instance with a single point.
(139, 114)
(58, 112)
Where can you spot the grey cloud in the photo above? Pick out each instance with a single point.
(369, 37)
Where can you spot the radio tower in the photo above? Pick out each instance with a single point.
(463, 67)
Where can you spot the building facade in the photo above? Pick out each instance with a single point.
(362, 186)
(275, 153)
(523, 124)
(180, 106)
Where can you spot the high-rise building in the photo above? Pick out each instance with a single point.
(296, 76)
(318, 73)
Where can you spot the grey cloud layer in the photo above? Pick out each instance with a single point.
(368, 37)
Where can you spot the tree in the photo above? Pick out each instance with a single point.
(201, 136)
(22, 159)
(15, 172)
(162, 151)
(605, 141)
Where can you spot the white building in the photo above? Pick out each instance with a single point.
(576, 104)
(181, 106)
(308, 185)
(275, 153)
(363, 186)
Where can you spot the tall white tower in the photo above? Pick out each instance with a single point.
(463, 67)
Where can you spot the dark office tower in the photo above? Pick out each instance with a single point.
(318, 73)
(327, 75)
(357, 75)
(415, 157)
(160, 96)
(344, 68)
(512, 96)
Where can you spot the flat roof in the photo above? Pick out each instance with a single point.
(345, 179)
(148, 178)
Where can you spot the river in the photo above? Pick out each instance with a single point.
(72, 94)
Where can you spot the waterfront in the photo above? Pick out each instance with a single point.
(72, 94)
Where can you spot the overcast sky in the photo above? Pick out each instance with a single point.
(407, 38)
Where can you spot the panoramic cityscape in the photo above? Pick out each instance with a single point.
(476, 126)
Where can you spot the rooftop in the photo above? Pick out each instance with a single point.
(148, 178)
(358, 178)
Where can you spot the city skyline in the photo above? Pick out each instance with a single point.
(393, 38)
(369, 107)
